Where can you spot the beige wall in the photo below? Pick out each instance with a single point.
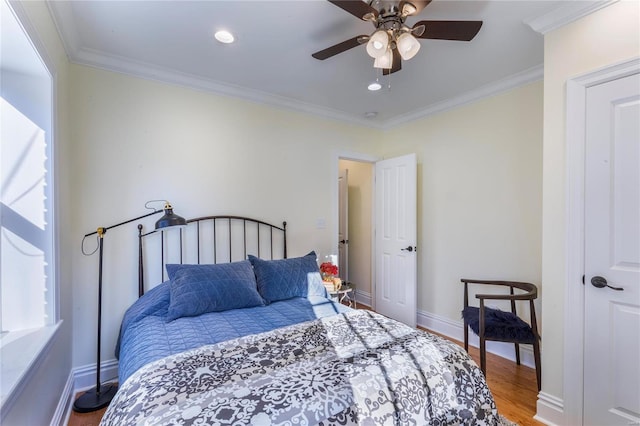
(360, 225)
(136, 140)
(607, 36)
(479, 194)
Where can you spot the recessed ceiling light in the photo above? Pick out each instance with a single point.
(374, 86)
(371, 114)
(224, 36)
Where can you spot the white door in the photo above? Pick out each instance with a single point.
(612, 254)
(395, 258)
(343, 224)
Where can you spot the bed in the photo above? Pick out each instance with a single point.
(250, 336)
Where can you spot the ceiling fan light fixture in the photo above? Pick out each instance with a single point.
(385, 61)
(378, 44)
(224, 36)
(407, 45)
(408, 9)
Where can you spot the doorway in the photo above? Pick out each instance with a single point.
(355, 216)
(382, 265)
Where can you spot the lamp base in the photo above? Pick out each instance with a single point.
(91, 400)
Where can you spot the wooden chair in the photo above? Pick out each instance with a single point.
(497, 325)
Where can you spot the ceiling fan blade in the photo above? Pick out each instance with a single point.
(396, 65)
(340, 47)
(449, 30)
(417, 4)
(357, 8)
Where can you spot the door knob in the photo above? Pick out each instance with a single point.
(410, 249)
(601, 282)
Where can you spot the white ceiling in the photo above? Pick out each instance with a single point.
(271, 59)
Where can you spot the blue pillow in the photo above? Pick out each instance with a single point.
(287, 278)
(197, 289)
(499, 324)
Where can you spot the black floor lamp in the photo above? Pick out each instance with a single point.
(100, 396)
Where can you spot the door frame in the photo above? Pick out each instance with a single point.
(574, 218)
(335, 173)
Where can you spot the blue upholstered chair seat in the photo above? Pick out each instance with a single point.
(499, 325)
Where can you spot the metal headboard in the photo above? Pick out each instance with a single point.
(224, 233)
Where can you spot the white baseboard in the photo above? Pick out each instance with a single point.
(81, 379)
(363, 298)
(61, 416)
(85, 377)
(455, 330)
(549, 410)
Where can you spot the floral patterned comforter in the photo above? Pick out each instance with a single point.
(354, 368)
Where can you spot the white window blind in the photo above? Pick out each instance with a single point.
(27, 285)
(25, 240)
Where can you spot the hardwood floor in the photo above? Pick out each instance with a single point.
(86, 419)
(513, 387)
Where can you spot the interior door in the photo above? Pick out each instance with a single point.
(343, 224)
(396, 230)
(612, 254)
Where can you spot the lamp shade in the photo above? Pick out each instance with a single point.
(408, 46)
(408, 9)
(170, 218)
(378, 44)
(385, 61)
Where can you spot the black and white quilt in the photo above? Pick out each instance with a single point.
(354, 368)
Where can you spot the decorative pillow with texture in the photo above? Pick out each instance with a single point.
(197, 289)
(286, 278)
(499, 324)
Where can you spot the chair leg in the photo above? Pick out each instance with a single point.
(536, 355)
(483, 356)
(517, 353)
(466, 336)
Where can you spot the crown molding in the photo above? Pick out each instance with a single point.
(565, 14)
(147, 71)
(516, 80)
(64, 22)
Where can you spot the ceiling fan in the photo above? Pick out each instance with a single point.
(392, 41)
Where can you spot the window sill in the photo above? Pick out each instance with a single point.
(21, 352)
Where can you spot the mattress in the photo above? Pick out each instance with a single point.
(355, 368)
(146, 335)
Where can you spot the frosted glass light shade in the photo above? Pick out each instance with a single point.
(408, 46)
(385, 61)
(224, 36)
(408, 9)
(378, 44)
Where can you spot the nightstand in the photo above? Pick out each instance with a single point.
(345, 295)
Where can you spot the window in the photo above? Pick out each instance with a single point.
(26, 240)
(28, 315)
(25, 243)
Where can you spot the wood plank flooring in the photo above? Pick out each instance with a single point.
(513, 387)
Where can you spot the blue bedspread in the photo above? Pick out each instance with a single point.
(146, 335)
